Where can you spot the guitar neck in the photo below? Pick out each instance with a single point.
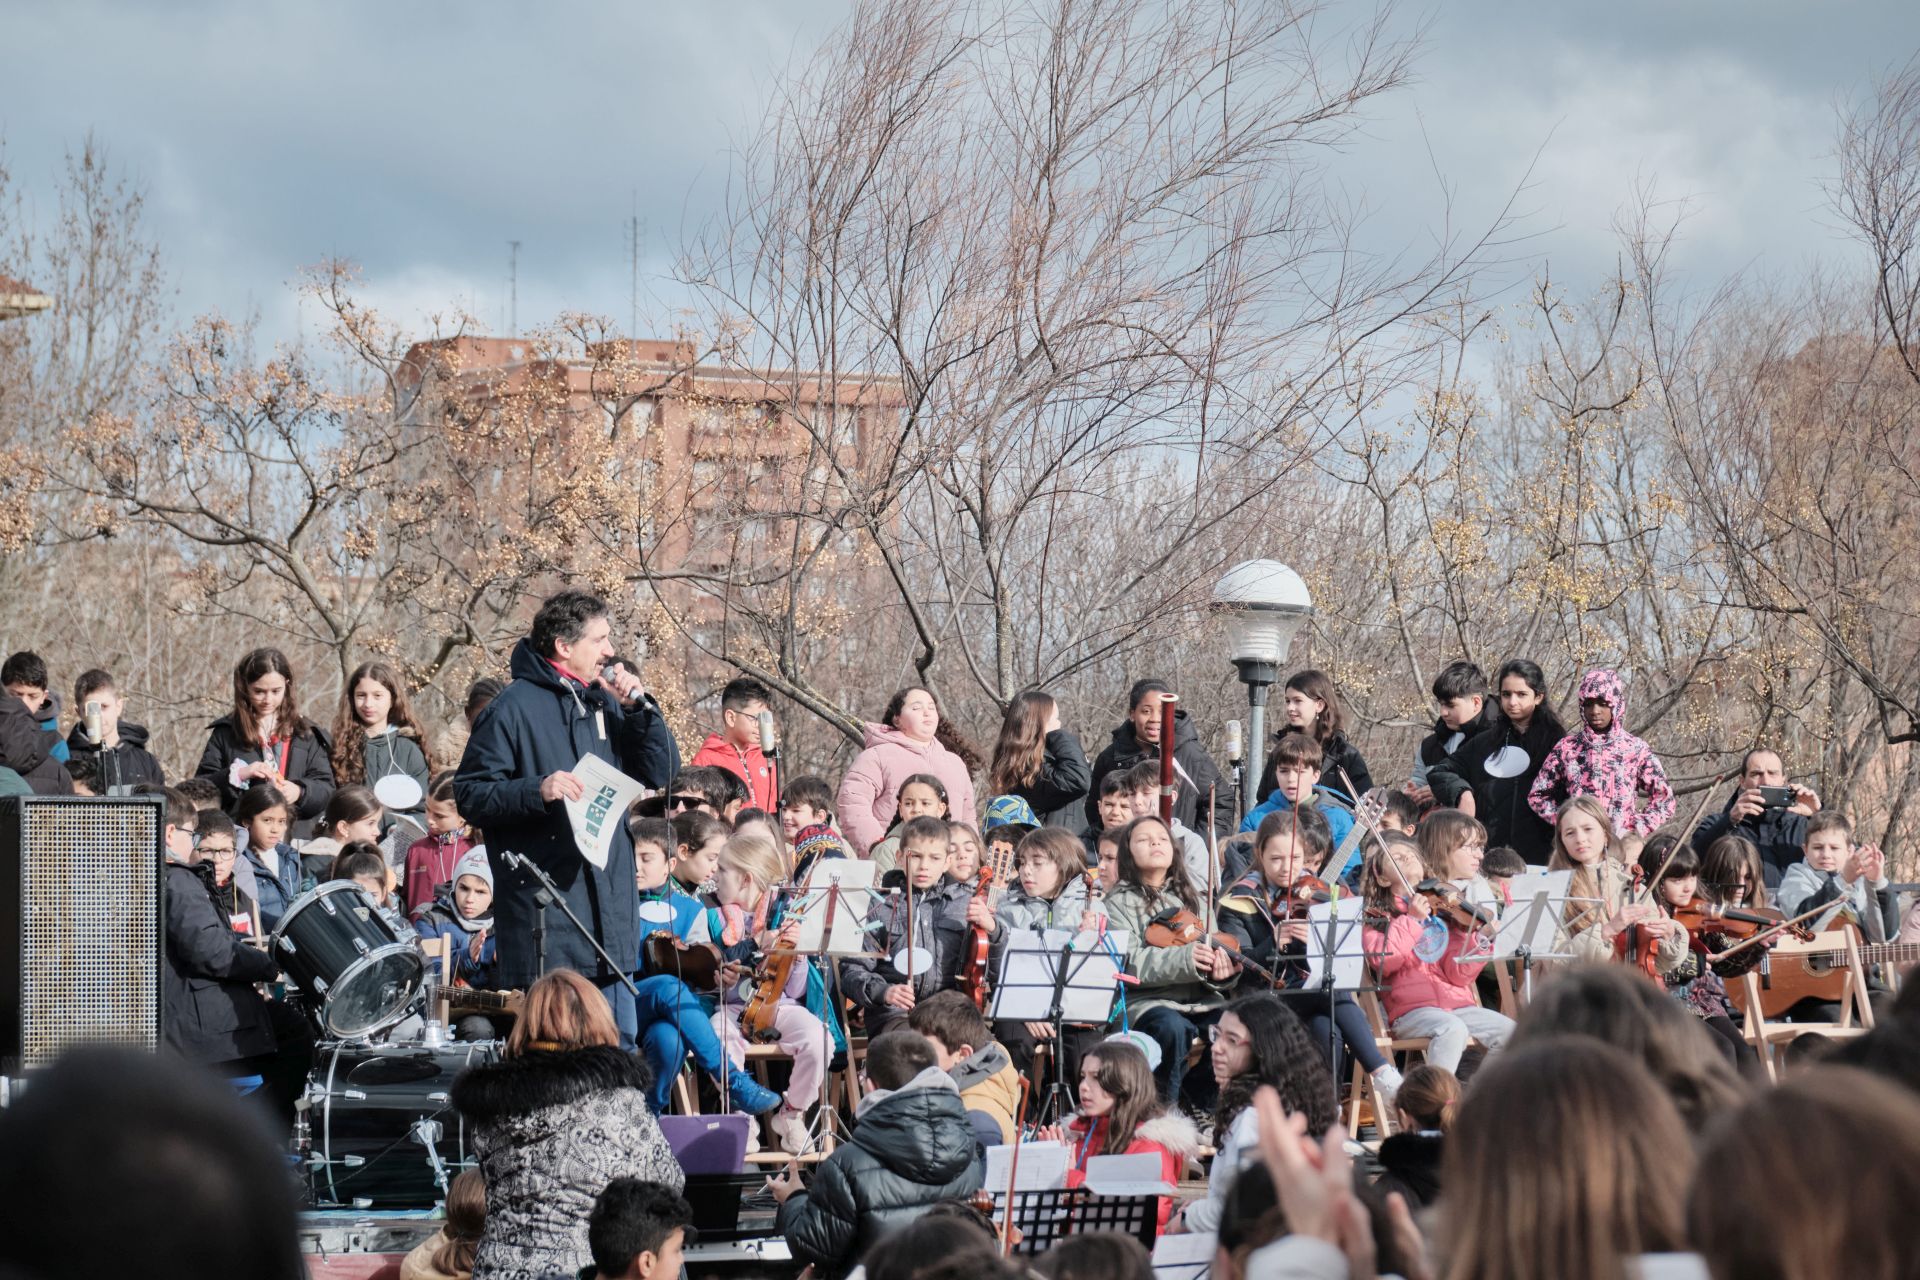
(1880, 952)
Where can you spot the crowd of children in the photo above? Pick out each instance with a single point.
(1211, 915)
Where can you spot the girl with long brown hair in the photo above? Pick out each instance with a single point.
(265, 741)
(563, 1113)
(1041, 762)
(376, 735)
(1602, 903)
(1121, 1114)
(1311, 706)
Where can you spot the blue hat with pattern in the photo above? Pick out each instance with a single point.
(1006, 810)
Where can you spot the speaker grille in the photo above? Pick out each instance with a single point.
(87, 872)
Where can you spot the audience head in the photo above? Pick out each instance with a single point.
(948, 1242)
(1811, 1179)
(562, 1012)
(637, 1230)
(113, 1153)
(1096, 1255)
(1250, 1219)
(896, 1057)
(466, 1220)
(1257, 1041)
(1428, 1098)
(953, 1023)
(1613, 1004)
(1581, 1135)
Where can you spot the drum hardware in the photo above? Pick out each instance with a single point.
(358, 974)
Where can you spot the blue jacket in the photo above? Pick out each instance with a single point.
(274, 892)
(442, 920)
(542, 724)
(686, 909)
(1339, 821)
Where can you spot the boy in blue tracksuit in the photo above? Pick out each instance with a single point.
(673, 1020)
(1297, 759)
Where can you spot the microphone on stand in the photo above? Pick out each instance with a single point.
(769, 745)
(96, 729)
(1236, 751)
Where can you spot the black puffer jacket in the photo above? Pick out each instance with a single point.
(911, 1149)
(551, 1130)
(1194, 772)
(1411, 1164)
(1501, 802)
(27, 749)
(212, 1012)
(1057, 794)
(309, 767)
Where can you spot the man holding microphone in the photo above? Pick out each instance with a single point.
(513, 783)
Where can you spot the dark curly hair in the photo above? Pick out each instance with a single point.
(945, 732)
(1285, 1056)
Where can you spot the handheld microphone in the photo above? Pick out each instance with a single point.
(96, 730)
(1236, 752)
(768, 746)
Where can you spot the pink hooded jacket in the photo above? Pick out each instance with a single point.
(1614, 767)
(870, 793)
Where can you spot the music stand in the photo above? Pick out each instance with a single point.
(835, 901)
(1055, 977)
(1532, 928)
(1336, 963)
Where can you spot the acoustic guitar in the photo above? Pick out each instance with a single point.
(473, 1001)
(1814, 971)
(695, 963)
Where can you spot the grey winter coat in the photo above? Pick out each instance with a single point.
(1019, 910)
(939, 926)
(911, 1148)
(551, 1130)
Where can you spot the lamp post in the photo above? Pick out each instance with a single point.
(1265, 604)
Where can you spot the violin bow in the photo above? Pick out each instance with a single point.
(1645, 893)
(1771, 931)
(1013, 1168)
(1373, 828)
(1213, 860)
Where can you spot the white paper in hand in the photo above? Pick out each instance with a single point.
(607, 795)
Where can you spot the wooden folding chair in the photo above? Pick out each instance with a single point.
(1794, 965)
(1392, 1046)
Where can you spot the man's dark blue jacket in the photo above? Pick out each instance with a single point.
(543, 723)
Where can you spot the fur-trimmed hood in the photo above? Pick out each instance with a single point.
(1171, 1131)
(1411, 1165)
(537, 1080)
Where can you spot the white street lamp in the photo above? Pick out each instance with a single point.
(1266, 604)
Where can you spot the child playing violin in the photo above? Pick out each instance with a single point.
(1692, 982)
(1049, 892)
(1432, 998)
(743, 926)
(1181, 987)
(1602, 903)
(1263, 913)
(1453, 845)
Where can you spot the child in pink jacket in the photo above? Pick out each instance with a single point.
(1606, 762)
(1432, 998)
(905, 744)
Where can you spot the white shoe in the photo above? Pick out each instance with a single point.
(790, 1129)
(1386, 1085)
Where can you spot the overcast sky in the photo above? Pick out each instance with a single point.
(419, 138)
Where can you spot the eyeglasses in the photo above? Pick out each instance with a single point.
(686, 802)
(219, 855)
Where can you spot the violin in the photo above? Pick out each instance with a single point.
(1639, 944)
(1716, 927)
(1306, 891)
(1178, 927)
(770, 980)
(1451, 906)
(973, 967)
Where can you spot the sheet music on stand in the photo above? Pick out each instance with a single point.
(1348, 950)
(1186, 1256)
(1533, 928)
(1030, 971)
(854, 878)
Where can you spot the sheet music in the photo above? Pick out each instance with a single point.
(1186, 1256)
(1023, 991)
(1533, 921)
(1137, 1175)
(1043, 1167)
(855, 878)
(1349, 942)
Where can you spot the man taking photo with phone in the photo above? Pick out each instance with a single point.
(1766, 809)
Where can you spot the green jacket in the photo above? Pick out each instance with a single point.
(1167, 975)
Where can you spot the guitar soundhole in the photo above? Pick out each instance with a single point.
(1820, 966)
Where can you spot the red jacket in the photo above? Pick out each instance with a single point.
(429, 864)
(750, 766)
(1413, 983)
(1170, 1135)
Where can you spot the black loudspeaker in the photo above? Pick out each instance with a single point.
(82, 919)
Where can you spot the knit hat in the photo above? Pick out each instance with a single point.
(817, 841)
(474, 863)
(1004, 811)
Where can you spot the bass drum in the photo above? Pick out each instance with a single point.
(355, 973)
(380, 1116)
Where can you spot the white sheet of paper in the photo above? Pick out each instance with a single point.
(1043, 1167)
(602, 807)
(1023, 990)
(1127, 1176)
(855, 878)
(1533, 920)
(1186, 1256)
(1349, 958)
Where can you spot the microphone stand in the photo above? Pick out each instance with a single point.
(548, 895)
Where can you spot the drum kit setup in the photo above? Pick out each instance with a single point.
(376, 1126)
